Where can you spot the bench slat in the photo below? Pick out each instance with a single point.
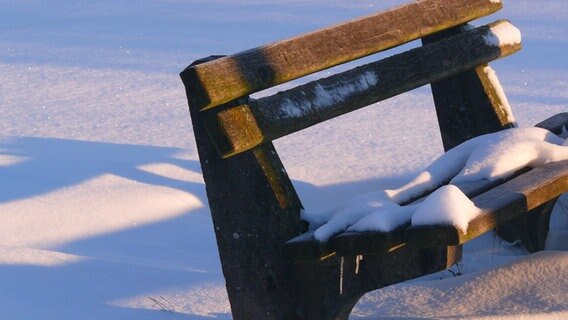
(239, 129)
(500, 204)
(213, 83)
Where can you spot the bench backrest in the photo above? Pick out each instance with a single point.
(248, 123)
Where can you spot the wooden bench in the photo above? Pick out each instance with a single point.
(273, 267)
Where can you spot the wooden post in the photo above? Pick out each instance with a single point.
(254, 210)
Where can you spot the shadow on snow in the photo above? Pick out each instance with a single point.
(177, 254)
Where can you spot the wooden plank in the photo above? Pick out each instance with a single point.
(220, 81)
(500, 204)
(258, 121)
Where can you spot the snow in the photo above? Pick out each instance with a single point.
(501, 293)
(491, 156)
(103, 206)
(326, 97)
(503, 34)
(333, 222)
(384, 219)
(447, 205)
(499, 155)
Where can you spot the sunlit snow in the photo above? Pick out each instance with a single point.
(103, 210)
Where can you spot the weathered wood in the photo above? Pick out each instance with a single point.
(265, 207)
(467, 104)
(254, 122)
(253, 204)
(500, 204)
(342, 281)
(220, 81)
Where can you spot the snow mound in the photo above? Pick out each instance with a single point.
(490, 156)
(447, 205)
(348, 213)
(500, 155)
(385, 219)
(533, 287)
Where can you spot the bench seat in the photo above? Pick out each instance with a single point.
(501, 200)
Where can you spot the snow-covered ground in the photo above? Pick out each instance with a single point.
(103, 213)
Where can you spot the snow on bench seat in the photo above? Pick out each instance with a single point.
(498, 200)
(306, 247)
